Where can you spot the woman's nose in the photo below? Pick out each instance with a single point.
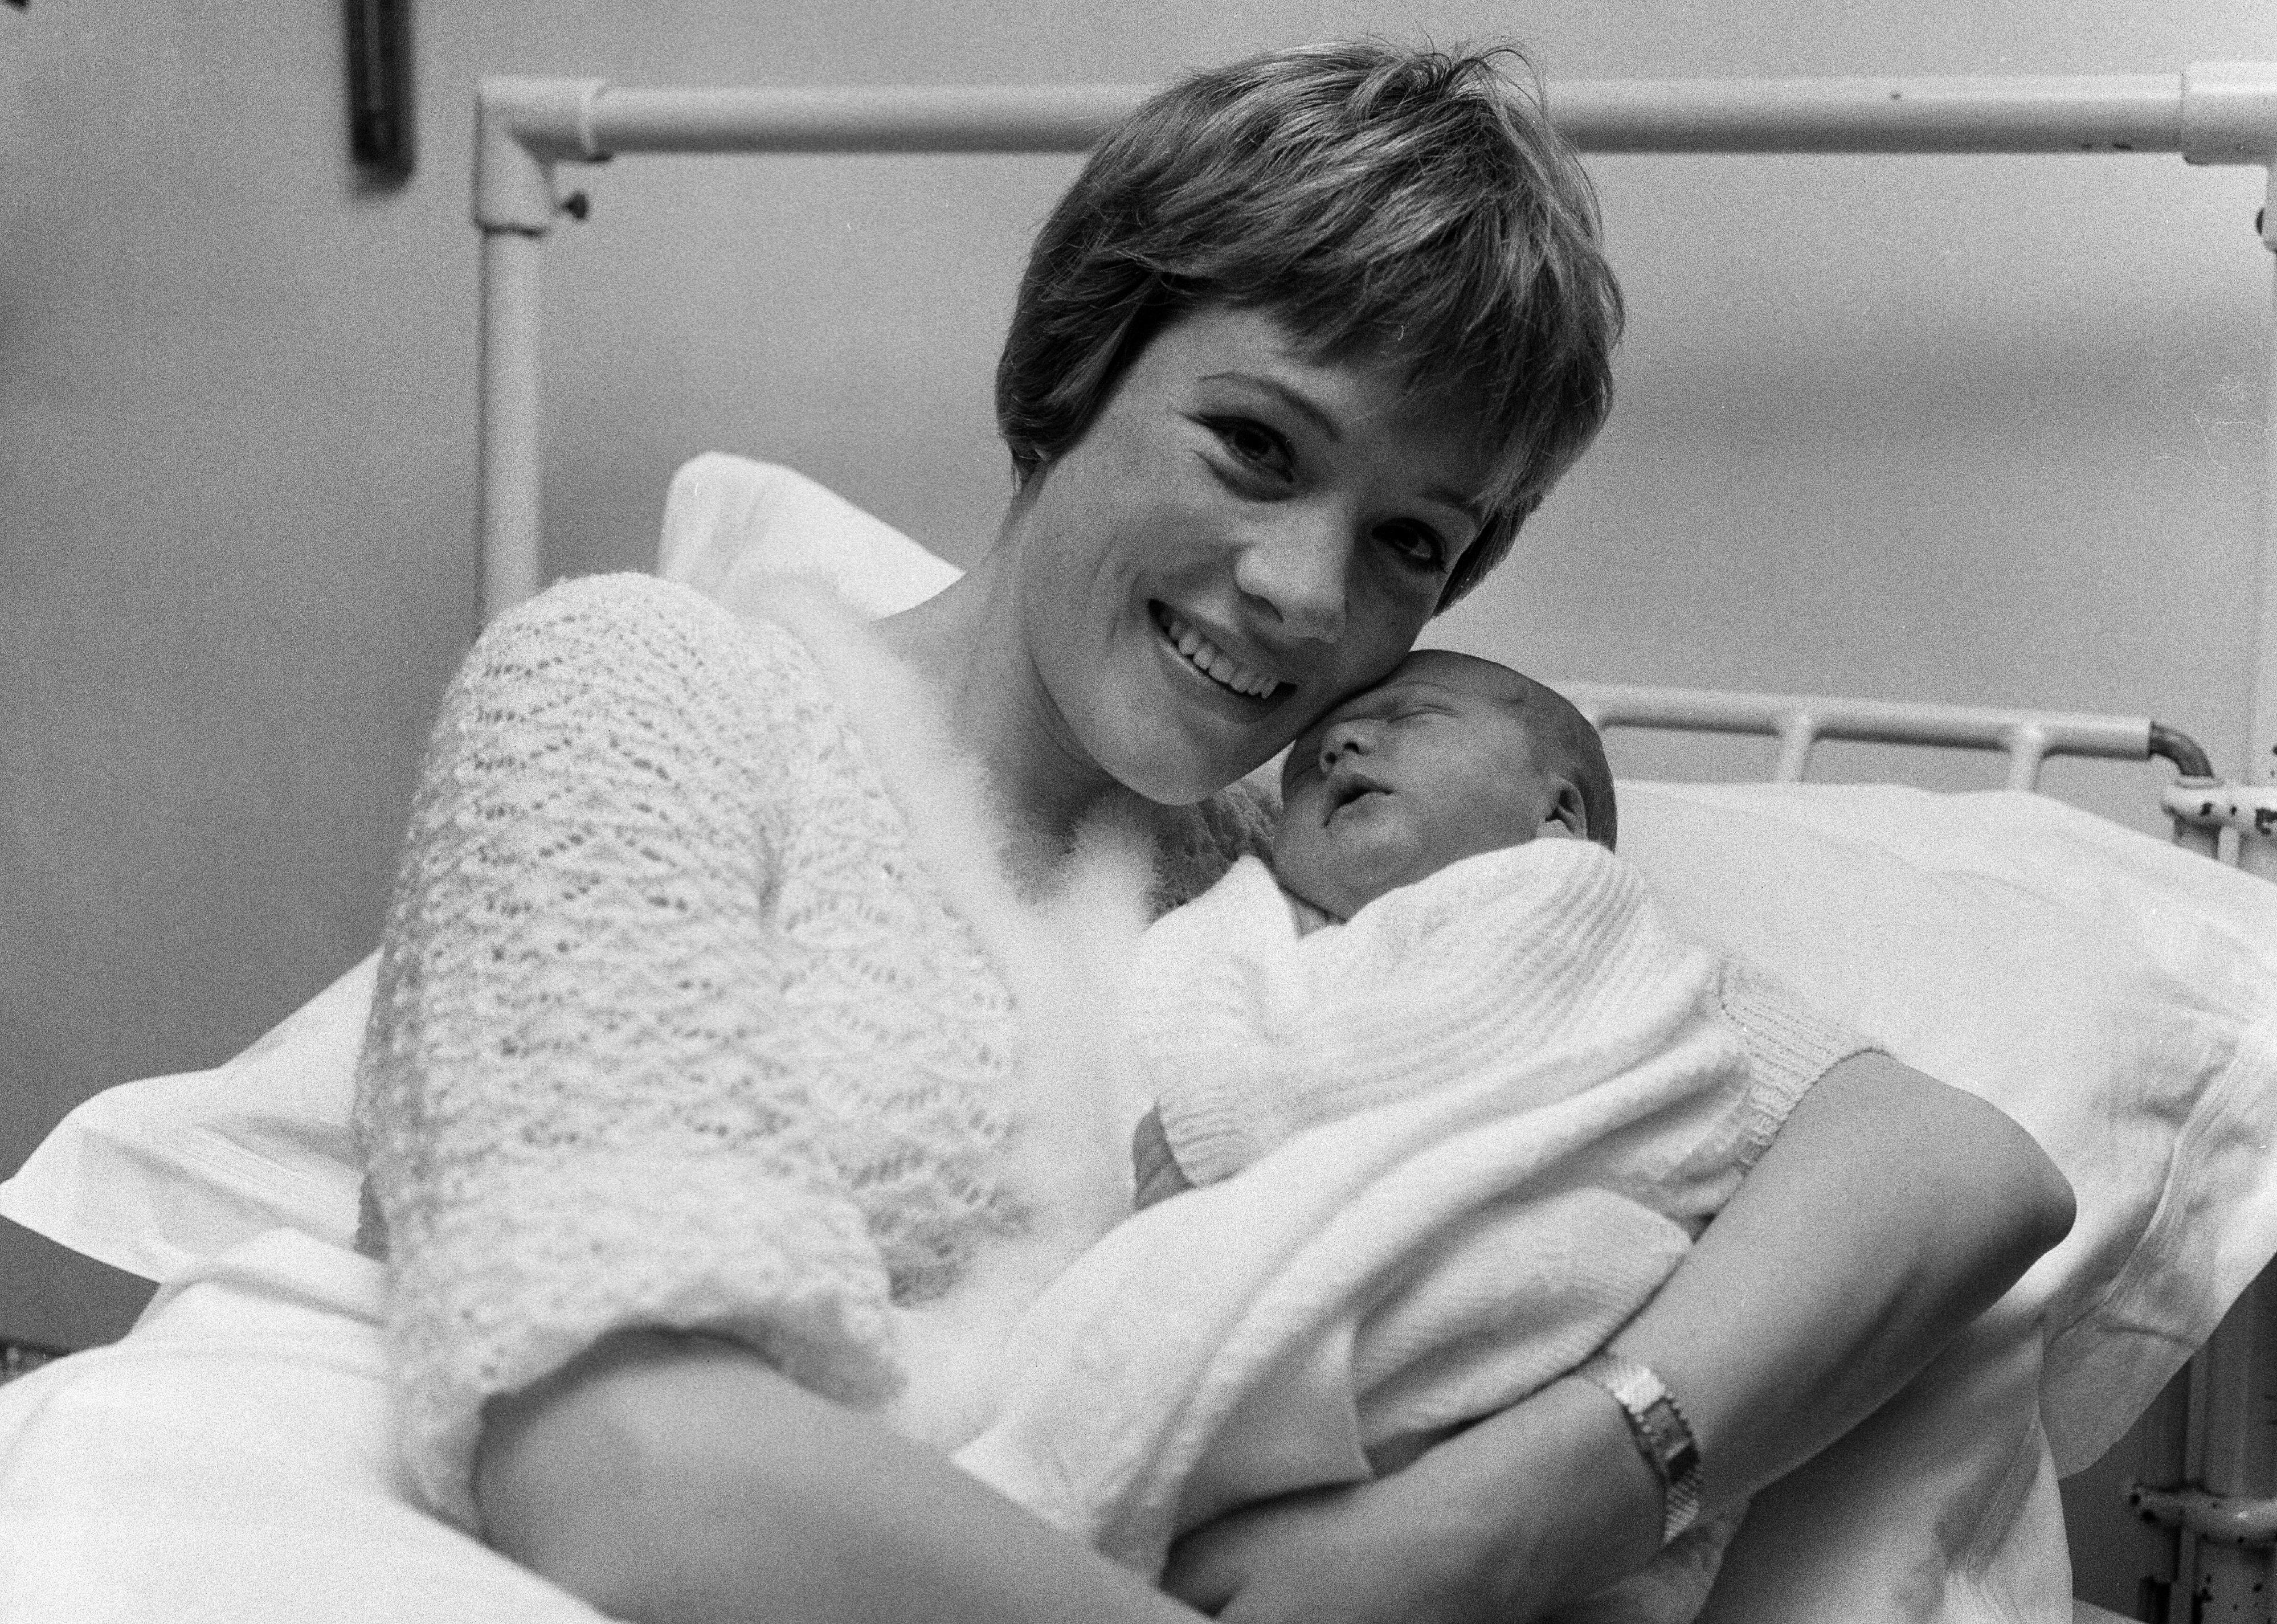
(1297, 568)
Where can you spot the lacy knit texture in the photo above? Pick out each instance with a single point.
(675, 1025)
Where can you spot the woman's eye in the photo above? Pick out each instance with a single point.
(1255, 444)
(1414, 545)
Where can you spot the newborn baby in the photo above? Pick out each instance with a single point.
(1442, 1104)
(1448, 758)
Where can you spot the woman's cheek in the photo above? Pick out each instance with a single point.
(1386, 619)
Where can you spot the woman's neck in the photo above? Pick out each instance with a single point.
(966, 643)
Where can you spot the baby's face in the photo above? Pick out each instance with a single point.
(1434, 764)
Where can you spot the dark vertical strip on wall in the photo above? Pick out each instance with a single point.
(381, 125)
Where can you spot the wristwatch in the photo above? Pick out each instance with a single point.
(1663, 1438)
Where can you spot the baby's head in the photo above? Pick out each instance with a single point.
(1448, 757)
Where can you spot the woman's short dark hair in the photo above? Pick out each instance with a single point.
(1376, 200)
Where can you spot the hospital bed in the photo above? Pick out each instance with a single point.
(2206, 1452)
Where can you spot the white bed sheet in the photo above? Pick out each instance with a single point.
(229, 1464)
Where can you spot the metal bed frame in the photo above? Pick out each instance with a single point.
(2208, 1448)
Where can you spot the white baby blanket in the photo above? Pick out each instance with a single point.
(1542, 1053)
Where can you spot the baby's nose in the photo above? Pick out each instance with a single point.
(1345, 738)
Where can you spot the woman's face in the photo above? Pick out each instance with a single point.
(1240, 538)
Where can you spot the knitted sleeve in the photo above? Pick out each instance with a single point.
(1790, 1045)
(572, 1117)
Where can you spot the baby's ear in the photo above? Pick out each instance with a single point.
(1568, 817)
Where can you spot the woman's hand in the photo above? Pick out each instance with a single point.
(1456, 1538)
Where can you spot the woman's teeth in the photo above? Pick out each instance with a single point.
(1213, 662)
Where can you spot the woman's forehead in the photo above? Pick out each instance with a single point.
(1453, 403)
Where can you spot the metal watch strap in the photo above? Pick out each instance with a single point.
(1662, 1435)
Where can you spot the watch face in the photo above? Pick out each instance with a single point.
(1673, 1450)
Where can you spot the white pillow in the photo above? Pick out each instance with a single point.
(2114, 994)
(151, 1177)
(730, 522)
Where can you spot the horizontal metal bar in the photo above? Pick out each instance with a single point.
(864, 119)
(2057, 733)
(2120, 113)
(2111, 113)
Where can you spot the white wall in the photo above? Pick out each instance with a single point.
(1973, 429)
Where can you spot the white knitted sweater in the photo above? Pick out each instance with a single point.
(677, 1021)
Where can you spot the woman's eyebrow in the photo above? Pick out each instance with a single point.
(1287, 397)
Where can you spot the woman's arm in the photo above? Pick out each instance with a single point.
(667, 1478)
(1890, 1210)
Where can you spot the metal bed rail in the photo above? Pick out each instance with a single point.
(2199, 804)
(1799, 721)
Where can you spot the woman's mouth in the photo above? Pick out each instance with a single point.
(1206, 658)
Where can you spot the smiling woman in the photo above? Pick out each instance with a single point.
(711, 1005)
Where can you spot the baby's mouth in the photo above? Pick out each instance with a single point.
(1211, 662)
(1350, 791)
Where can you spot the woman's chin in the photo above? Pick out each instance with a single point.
(1177, 755)
(1173, 768)
(1182, 787)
